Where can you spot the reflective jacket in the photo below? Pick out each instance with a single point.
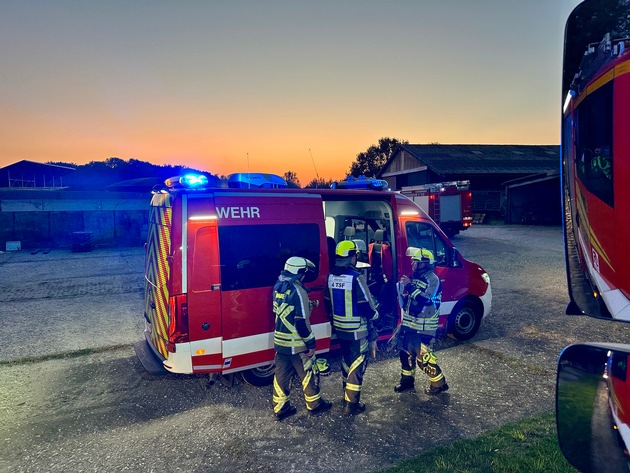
(350, 303)
(291, 306)
(421, 303)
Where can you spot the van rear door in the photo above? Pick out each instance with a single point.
(203, 283)
(258, 231)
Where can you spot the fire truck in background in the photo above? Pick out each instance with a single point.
(449, 204)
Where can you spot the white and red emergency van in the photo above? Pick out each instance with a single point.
(214, 254)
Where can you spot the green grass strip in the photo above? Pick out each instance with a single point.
(529, 445)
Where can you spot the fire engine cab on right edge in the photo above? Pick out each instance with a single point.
(214, 254)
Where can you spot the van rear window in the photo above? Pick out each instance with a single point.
(253, 255)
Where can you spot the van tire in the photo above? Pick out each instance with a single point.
(261, 376)
(465, 320)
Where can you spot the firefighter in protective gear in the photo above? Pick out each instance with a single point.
(294, 341)
(420, 297)
(353, 312)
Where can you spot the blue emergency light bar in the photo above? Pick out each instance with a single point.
(361, 182)
(190, 180)
(255, 180)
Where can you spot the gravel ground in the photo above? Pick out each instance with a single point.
(102, 412)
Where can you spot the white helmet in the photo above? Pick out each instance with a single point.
(298, 265)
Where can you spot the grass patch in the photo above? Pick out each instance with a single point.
(60, 356)
(530, 445)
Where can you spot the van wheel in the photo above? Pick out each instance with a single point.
(261, 376)
(464, 321)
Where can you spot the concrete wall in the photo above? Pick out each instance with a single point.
(43, 219)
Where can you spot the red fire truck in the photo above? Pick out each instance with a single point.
(618, 381)
(449, 204)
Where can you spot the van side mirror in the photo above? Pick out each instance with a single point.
(593, 407)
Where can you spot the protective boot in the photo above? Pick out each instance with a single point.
(287, 410)
(323, 406)
(433, 390)
(353, 408)
(406, 384)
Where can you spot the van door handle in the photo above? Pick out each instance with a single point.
(215, 287)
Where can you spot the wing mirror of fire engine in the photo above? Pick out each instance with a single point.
(592, 394)
(597, 37)
(593, 407)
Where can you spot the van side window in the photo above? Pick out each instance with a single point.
(423, 235)
(253, 255)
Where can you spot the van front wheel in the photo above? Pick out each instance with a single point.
(464, 321)
(260, 376)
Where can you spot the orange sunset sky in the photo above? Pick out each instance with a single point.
(230, 86)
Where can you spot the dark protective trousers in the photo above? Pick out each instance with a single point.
(418, 350)
(353, 365)
(288, 366)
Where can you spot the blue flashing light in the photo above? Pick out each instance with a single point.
(190, 181)
(255, 180)
(193, 180)
(361, 182)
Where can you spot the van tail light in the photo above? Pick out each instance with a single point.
(178, 321)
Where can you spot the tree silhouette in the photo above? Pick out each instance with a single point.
(369, 162)
(291, 177)
(319, 183)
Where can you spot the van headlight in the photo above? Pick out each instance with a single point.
(486, 278)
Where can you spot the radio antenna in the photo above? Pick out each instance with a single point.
(316, 174)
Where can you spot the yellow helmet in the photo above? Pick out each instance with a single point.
(423, 255)
(346, 248)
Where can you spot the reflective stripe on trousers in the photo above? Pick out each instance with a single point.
(306, 370)
(353, 365)
(425, 359)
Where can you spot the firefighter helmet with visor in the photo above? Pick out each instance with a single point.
(346, 248)
(423, 256)
(298, 265)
